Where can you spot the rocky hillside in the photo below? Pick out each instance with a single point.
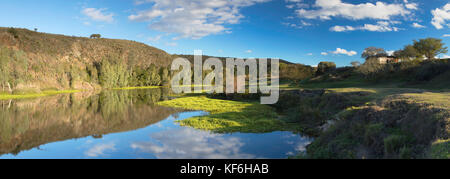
(35, 61)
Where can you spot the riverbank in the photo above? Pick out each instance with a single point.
(345, 122)
(7, 96)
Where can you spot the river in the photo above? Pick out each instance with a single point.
(124, 124)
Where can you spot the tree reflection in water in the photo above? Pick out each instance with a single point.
(26, 124)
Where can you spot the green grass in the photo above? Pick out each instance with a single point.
(229, 116)
(440, 149)
(140, 87)
(6, 96)
(439, 100)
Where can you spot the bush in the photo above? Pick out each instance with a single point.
(112, 74)
(295, 72)
(325, 67)
(394, 143)
(430, 70)
(13, 32)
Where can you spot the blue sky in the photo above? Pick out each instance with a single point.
(300, 31)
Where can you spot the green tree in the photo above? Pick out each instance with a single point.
(370, 68)
(4, 68)
(165, 77)
(95, 36)
(430, 47)
(112, 74)
(325, 67)
(373, 52)
(154, 78)
(408, 52)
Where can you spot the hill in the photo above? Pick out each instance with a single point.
(288, 71)
(36, 61)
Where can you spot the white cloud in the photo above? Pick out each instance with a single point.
(326, 9)
(344, 52)
(100, 149)
(324, 53)
(309, 54)
(192, 19)
(342, 28)
(413, 6)
(380, 26)
(446, 35)
(417, 25)
(187, 143)
(98, 14)
(296, 3)
(155, 38)
(440, 16)
(249, 51)
(390, 52)
(298, 26)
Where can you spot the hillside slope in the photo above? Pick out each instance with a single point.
(37, 61)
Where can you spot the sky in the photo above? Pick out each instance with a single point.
(300, 31)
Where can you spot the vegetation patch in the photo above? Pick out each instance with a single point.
(440, 149)
(396, 127)
(229, 116)
(6, 96)
(138, 87)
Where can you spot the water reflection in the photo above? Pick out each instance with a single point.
(25, 124)
(123, 124)
(187, 143)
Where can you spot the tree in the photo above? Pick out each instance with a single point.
(355, 64)
(4, 68)
(96, 36)
(325, 67)
(13, 32)
(154, 78)
(373, 52)
(370, 68)
(408, 52)
(430, 47)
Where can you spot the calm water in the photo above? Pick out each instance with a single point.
(124, 124)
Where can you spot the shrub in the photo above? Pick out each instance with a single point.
(430, 70)
(113, 74)
(13, 32)
(325, 67)
(370, 68)
(394, 143)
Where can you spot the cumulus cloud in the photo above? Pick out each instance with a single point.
(249, 51)
(380, 26)
(446, 35)
(440, 16)
(100, 149)
(98, 15)
(189, 143)
(340, 51)
(417, 25)
(192, 19)
(413, 6)
(324, 53)
(327, 9)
